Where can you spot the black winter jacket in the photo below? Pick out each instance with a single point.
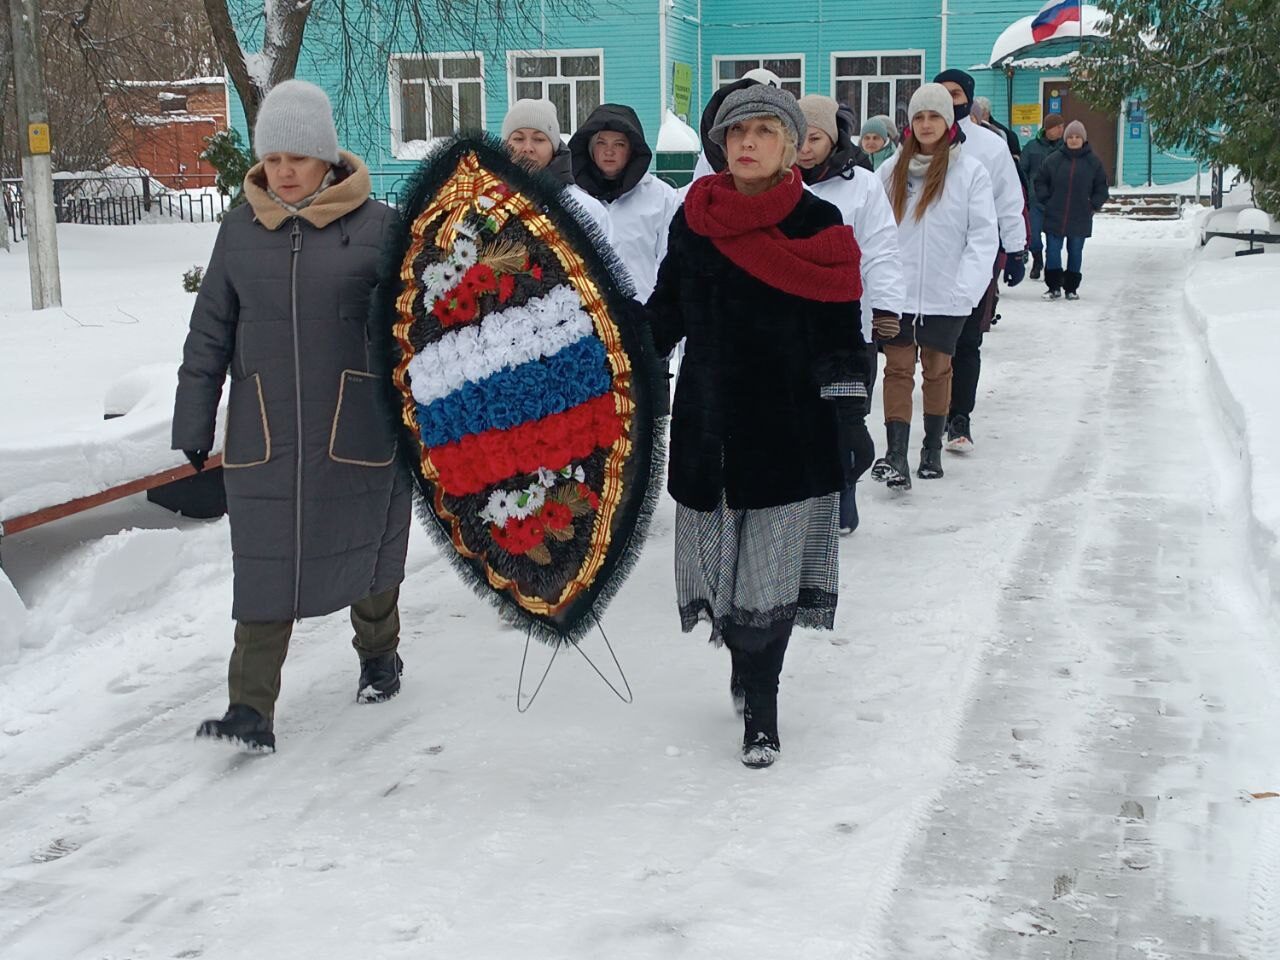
(1072, 187)
(1034, 154)
(318, 501)
(748, 419)
(619, 119)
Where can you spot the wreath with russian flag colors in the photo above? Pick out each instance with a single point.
(526, 385)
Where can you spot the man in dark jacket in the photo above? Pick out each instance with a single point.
(318, 500)
(1034, 155)
(1072, 185)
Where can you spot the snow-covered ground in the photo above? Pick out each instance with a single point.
(1054, 662)
(115, 343)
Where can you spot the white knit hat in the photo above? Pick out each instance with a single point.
(532, 114)
(295, 117)
(935, 97)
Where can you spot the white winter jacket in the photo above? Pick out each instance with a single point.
(639, 220)
(865, 207)
(993, 150)
(947, 255)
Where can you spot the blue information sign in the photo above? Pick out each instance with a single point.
(1135, 131)
(1055, 104)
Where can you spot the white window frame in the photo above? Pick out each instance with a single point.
(761, 57)
(924, 64)
(402, 149)
(512, 79)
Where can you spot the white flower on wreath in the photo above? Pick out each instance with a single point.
(528, 502)
(433, 278)
(450, 274)
(465, 253)
(546, 477)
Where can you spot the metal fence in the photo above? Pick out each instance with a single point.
(120, 201)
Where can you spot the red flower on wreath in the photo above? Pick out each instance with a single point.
(506, 287)
(590, 496)
(517, 535)
(480, 279)
(555, 515)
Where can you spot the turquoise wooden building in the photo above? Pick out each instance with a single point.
(665, 57)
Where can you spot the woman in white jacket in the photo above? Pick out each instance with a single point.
(947, 237)
(832, 169)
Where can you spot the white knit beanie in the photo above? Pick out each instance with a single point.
(820, 111)
(533, 114)
(935, 97)
(295, 117)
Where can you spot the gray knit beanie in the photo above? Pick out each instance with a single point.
(880, 126)
(759, 100)
(532, 114)
(1076, 129)
(295, 117)
(820, 111)
(935, 97)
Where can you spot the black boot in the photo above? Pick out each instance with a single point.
(1071, 283)
(379, 678)
(1037, 264)
(931, 451)
(959, 434)
(892, 467)
(848, 509)
(737, 693)
(1053, 280)
(243, 725)
(760, 672)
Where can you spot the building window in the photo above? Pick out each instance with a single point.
(573, 80)
(173, 102)
(434, 96)
(878, 83)
(788, 67)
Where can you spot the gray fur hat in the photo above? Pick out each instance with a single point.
(759, 100)
(295, 117)
(535, 115)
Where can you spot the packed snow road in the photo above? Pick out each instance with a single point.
(1028, 736)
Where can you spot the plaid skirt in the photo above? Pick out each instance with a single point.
(758, 568)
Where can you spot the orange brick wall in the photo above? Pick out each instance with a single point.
(171, 151)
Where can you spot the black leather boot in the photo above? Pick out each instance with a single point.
(931, 451)
(897, 474)
(1037, 264)
(1053, 280)
(760, 672)
(1071, 283)
(243, 725)
(379, 678)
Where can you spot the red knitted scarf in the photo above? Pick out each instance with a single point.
(822, 267)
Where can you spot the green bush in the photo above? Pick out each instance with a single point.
(226, 152)
(192, 278)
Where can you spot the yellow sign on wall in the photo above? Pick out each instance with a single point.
(1026, 114)
(38, 138)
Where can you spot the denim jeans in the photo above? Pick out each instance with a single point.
(1036, 216)
(1053, 256)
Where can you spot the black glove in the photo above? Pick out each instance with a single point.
(1015, 268)
(197, 458)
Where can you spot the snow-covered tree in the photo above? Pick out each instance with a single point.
(1209, 71)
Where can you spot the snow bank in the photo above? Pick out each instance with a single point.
(124, 315)
(676, 136)
(13, 616)
(50, 469)
(1232, 300)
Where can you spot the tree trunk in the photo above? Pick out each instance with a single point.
(281, 47)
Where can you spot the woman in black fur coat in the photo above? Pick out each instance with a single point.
(761, 281)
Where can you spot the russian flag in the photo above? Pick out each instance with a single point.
(1052, 16)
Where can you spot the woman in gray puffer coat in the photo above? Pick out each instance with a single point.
(317, 498)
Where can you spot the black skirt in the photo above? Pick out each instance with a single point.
(932, 330)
